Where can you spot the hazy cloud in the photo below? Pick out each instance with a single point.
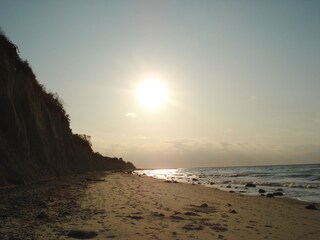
(225, 145)
(131, 115)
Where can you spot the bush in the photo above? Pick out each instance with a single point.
(83, 139)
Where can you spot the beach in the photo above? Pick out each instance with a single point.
(126, 206)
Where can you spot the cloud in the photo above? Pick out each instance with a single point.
(189, 144)
(131, 115)
(225, 145)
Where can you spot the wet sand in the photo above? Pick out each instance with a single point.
(125, 206)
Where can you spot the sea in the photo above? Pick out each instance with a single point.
(300, 182)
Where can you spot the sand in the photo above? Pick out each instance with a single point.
(126, 206)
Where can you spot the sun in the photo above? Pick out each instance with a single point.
(152, 94)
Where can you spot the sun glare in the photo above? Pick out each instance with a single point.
(152, 93)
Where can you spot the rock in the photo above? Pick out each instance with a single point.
(174, 181)
(229, 186)
(261, 191)
(168, 181)
(94, 180)
(270, 195)
(176, 217)
(156, 214)
(232, 211)
(278, 194)
(135, 217)
(311, 207)
(42, 215)
(192, 227)
(79, 234)
(212, 183)
(250, 185)
(195, 180)
(191, 214)
(204, 205)
(231, 191)
(279, 190)
(262, 194)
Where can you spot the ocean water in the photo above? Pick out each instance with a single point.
(300, 182)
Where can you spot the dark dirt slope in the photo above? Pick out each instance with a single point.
(35, 136)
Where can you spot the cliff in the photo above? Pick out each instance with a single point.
(35, 136)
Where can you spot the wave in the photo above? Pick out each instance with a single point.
(299, 181)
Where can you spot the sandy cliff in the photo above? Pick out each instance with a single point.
(35, 136)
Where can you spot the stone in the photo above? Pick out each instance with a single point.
(270, 195)
(176, 217)
(279, 190)
(278, 194)
(135, 217)
(192, 227)
(311, 207)
(232, 211)
(191, 214)
(261, 191)
(79, 234)
(156, 214)
(250, 185)
(204, 205)
(42, 215)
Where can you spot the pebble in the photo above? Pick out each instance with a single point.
(204, 205)
(79, 234)
(278, 194)
(261, 191)
(311, 207)
(232, 211)
(250, 185)
(42, 215)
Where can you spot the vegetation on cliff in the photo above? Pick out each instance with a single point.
(35, 136)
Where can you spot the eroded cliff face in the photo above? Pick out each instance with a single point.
(35, 136)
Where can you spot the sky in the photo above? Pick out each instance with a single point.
(241, 77)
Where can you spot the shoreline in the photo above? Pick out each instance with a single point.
(126, 206)
(239, 192)
(302, 183)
